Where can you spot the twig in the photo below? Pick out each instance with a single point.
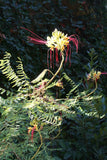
(56, 71)
(39, 146)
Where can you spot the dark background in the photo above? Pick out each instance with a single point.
(82, 137)
(83, 17)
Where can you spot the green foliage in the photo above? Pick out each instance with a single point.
(72, 85)
(82, 122)
(73, 123)
(9, 72)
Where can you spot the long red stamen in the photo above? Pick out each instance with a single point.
(32, 33)
(56, 52)
(36, 40)
(74, 39)
(70, 57)
(32, 133)
(53, 59)
(50, 58)
(67, 54)
(60, 56)
(103, 72)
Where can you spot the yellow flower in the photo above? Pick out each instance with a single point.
(57, 43)
(29, 129)
(94, 75)
(59, 84)
(57, 40)
(98, 74)
(88, 76)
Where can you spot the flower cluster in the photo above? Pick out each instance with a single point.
(57, 40)
(95, 75)
(59, 84)
(34, 128)
(58, 44)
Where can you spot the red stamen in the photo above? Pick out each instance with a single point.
(32, 133)
(50, 58)
(57, 60)
(70, 57)
(33, 33)
(74, 39)
(67, 54)
(53, 59)
(60, 56)
(103, 72)
(36, 40)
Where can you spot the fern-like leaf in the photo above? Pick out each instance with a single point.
(7, 70)
(72, 85)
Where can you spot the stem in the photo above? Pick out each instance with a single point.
(57, 134)
(90, 92)
(93, 90)
(50, 71)
(56, 71)
(39, 146)
(54, 75)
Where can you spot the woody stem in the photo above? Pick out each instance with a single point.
(90, 92)
(56, 71)
(94, 89)
(39, 146)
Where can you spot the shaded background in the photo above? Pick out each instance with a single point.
(83, 17)
(83, 137)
